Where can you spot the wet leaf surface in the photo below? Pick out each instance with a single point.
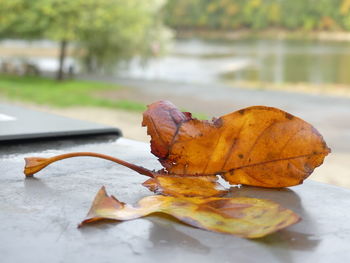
(241, 216)
(189, 186)
(259, 146)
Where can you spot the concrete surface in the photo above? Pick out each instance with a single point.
(39, 216)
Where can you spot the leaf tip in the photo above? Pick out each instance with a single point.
(101, 207)
(151, 184)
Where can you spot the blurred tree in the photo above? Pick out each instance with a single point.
(103, 31)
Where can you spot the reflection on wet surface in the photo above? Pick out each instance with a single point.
(165, 235)
(284, 196)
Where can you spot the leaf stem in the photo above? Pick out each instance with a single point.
(35, 164)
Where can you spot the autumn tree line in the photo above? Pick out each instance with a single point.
(331, 15)
(104, 32)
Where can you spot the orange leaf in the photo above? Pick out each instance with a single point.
(260, 146)
(241, 216)
(189, 186)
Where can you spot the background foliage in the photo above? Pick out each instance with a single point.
(104, 31)
(258, 14)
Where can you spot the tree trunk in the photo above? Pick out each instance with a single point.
(63, 50)
(90, 64)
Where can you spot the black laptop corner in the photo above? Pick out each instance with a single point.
(22, 124)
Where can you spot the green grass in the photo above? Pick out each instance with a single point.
(47, 91)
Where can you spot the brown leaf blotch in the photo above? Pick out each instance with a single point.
(241, 111)
(289, 116)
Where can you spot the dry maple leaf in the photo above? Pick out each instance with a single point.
(259, 146)
(241, 216)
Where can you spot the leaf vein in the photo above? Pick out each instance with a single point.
(276, 160)
(234, 143)
(257, 139)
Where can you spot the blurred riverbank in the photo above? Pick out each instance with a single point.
(272, 33)
(303, 65)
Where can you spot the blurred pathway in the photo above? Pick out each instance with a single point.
(330, 115)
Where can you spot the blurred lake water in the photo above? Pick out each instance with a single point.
(242, 60)
(253, 60)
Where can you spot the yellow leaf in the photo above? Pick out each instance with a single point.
(189, 186)
(241, 216)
